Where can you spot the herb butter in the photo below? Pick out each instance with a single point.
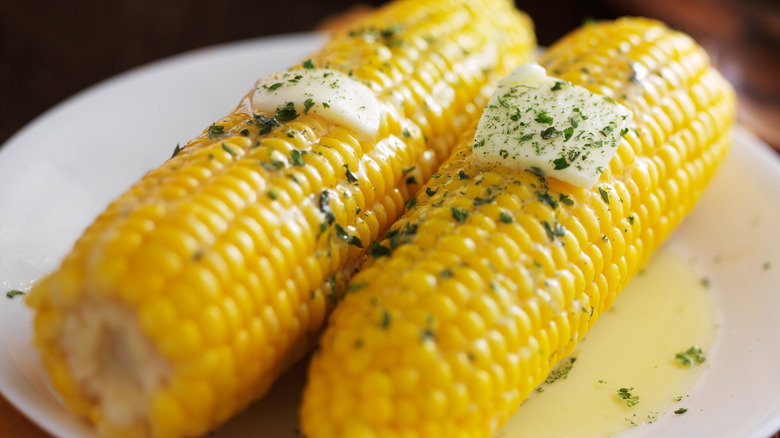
(539, 123)
(328, 93)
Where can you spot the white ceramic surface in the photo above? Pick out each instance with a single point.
(60, 171)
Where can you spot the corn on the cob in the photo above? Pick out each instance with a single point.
(197, 287)
(494, 274)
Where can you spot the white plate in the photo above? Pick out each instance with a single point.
(60, 171)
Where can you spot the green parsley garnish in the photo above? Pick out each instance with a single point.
(690, 356)
(228, 149)
(176, 151)
(274, 86)
(12, 293)
(351, 178)
(542, 117)
(286, 113)
(266, 123)
(430, 192)
(505, 218)
(307, 104)
(215, 130)
(680, 411)
(296, 158)
(376, 250)
(308, 64)
(462, 175)
(355, 241)
(459, 214)
(625, 394)
(604, 195)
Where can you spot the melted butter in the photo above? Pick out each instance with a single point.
(664, 310)
(543, 124)
(328, 93)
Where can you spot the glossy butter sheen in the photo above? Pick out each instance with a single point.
(544, 124)
(664, 310)
(330, 94)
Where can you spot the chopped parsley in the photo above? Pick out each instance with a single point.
(459, 214)
(462, 175)
(266, 123)
(351, 178)
(505, 218)
(355, 241)
(215, 130)
(273, 87)
(376, 250)
(690, 356)
(296, 158)
(307, 104)
(308, 64)
(542, 117)
(286, 113)
(561, 371)
(625, 394)
(680, 411)
(430, 192)
(325, 207)
(341, 234)
(12, 293)
(176, 151)
(604, 195)
(228, 149)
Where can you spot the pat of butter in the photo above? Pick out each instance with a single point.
(539, 123)
(327, 93)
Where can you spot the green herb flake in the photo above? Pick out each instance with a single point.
(385, 322)
(561, 371)
(266, 123)
(411, 180)
(215, 130)
(557, 86)
(376, 250)
(12, 293)
(409, 204)
(176, 151)
(355, 286)
(680, 411)
(459, 214)
(430, 192)
(307, 104)
(286, 113)
(408, 170)
(550, 132)
(274, 86)
(505, 218)
(341, 234)
(446, 273)
(542, 117)
(325, 207)
(625, 394)
(554, 231)
(691, 356)
(355, 241)
(560, 163)
(566, 200)
(462, 175)
(406, 133)
(351, 178)
(308, 64)
(527, 137)
(604, 195)
(296, 158)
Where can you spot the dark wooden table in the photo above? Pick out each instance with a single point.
(51, 50)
